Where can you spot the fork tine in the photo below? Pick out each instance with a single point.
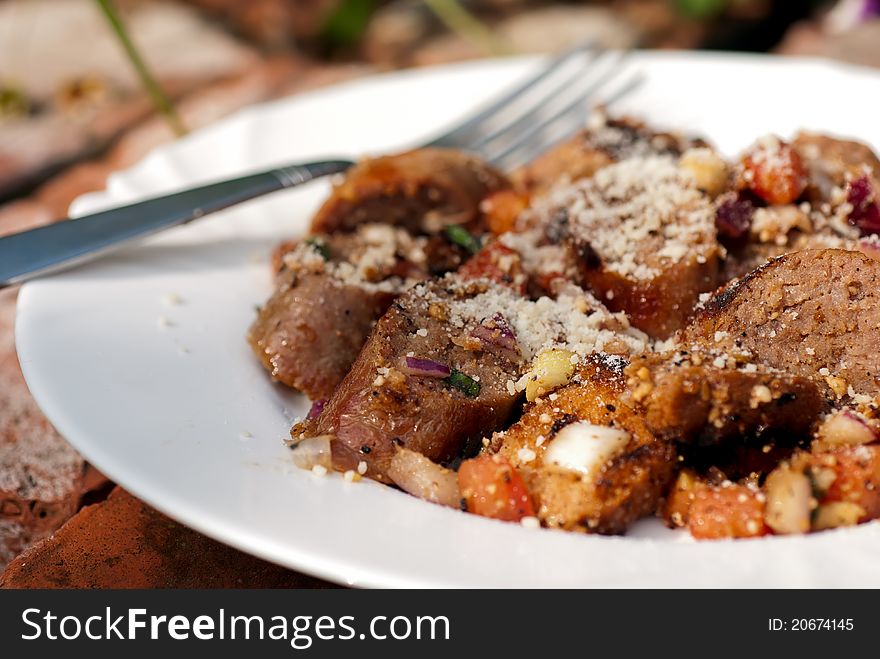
(536, 128)
(456, 135)
(531, 122)
(528, 149)
(528, 113)
(563, 126)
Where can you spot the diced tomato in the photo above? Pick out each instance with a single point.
(498, 263)
(502, 208)
(726, 512)
(775, 172)
(492, 487)
(856, 477)
(548, 281)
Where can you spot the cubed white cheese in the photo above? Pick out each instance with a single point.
(584, 447)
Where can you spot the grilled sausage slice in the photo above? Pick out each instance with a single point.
(392, 398)
(831, 162)
(423, 191)
(814, 314)
(310, 331)
(697, 397)
(444, 366)
(329, 293)
(643, 236)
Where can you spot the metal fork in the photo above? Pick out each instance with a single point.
(514, 128)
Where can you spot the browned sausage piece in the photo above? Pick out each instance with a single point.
(418, 383)
(814, 314)
(589, 460)
(422, 190)
(644, 238)
(695, 396)
(310, 331)
(329, 293)
(605, 141)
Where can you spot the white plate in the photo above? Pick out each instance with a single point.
(186, 419)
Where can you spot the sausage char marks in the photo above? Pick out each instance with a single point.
(707, 398)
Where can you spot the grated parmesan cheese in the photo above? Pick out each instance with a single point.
(640, 215)
(546, 323)
(369, 264)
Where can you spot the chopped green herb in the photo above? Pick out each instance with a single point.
(461, 237)
(319, 246)
(464, 383)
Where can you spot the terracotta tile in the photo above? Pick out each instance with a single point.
(40, 474)
(123, 543)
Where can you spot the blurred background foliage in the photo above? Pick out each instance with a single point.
(733, 24)
(391, 31)
(76, 75)
(343, 28)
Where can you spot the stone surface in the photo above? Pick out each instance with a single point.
(123, 543)
(408, 34)
(81, 88)
(269, 79)
(41, 476)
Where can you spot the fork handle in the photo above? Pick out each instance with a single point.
(62, 244)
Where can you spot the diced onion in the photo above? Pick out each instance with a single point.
(312, 451)
(316, 409)
(865, 213)
(837, 513)
(426, 368)
(846, 428)
(417, 475)
(496, 334)
(733, 216)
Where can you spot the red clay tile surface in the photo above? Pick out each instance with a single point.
(123, 543)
